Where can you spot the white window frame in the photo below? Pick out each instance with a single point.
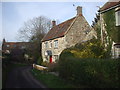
(50, 44)
(56, 57)
(46, 44)
(8, 45)
(117, 15)
(55, 43)
(117, 51)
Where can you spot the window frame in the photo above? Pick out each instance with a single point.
(55, 43)
(7, 45)
(46, 45)
(56, 57)
(50, 44)
(117, 16)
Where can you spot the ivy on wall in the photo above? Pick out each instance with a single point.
(111, 28)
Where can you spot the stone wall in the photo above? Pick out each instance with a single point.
(77, 32)
(55, 51)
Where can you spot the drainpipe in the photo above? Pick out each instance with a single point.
(101, 27)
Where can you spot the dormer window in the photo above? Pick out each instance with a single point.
(117, 15)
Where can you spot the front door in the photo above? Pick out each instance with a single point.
(50, 59)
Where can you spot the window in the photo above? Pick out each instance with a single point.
(50, 44)
(117, 51)
(14, 45)
(56, 44)
(22, 47)
(117, 14)
(46, 44)
(56, 57)
(8, 45)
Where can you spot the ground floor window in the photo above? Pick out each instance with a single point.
(56, 57)
(117, 50)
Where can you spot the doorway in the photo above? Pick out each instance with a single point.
(51, 59)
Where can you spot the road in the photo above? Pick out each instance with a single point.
(21, 77)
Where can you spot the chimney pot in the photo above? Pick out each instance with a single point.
(79, 10)
(53, 23)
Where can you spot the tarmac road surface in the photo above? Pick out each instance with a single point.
(21, 77)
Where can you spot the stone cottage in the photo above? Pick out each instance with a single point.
(110, 27)
(65, 35)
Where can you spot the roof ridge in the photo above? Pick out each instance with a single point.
(66, 20)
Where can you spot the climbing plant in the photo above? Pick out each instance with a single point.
(111, 28)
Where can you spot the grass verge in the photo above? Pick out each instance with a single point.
(51, 81)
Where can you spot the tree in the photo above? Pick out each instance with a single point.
(33, 31)
(96, 26)
(34, 27)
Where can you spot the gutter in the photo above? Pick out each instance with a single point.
(109, 8)
(53, 38)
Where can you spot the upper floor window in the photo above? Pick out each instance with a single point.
(56, 44)
(8, 45)
(14, 45)
(46, 44)
(22, 47)
(117, 14)
(50, 44)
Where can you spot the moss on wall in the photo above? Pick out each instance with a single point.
(111, 28)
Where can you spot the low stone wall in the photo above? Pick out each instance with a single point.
(38, 67)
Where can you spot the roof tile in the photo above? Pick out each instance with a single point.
(58, 30)
(109, 5)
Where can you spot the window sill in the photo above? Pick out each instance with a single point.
(117, 25)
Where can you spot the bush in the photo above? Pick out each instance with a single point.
(91, 72)
(39, 61)
(89, 49)
(53, 67)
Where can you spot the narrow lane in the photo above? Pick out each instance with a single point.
(21, 77)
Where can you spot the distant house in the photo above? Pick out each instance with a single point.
(110, 27)
(65, 35)
(15, 49)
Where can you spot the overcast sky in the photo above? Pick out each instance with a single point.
(14, 14)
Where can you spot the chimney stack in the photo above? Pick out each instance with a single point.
(79, 10)
(53, 23)
(4, 40)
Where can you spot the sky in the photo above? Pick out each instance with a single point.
(14, 14)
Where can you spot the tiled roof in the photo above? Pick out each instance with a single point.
(58, 30)
(12, 45)
(109, 5)
(16, 43)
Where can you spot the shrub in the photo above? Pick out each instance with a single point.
(89, 49)
(53, 67)
(91, 72)
(39, 61)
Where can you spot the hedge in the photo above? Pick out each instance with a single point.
(90, 72)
